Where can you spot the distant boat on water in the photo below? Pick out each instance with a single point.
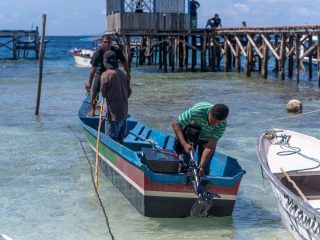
(291, 162)
(82, 56)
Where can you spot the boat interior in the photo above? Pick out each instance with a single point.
(140, 137)
(308, 183)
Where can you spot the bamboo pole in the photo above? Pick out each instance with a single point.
(204, 52)
(44, 17)
(96, 180)
(172, 54)
(294, 185)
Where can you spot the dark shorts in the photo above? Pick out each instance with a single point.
(96, 83)
(116, 129)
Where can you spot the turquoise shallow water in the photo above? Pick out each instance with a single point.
(46, 191)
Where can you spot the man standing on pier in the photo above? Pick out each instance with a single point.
(210, 120)
(98, 68)
(194, 5)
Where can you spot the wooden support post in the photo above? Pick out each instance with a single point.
(160, 52)
(290, 58)
(186, 52)
(282, 56)
(173, 63)
(149, 50)
(310, 56)
(37, 43)
(226, 56)
(214, 56)
(264, 67)
(137, 49)
(44, 17)
(238, 58)
(318, 60)
(128, 51)
(164, 55)
(276, 61)
(14, 47)
(194, 53)
(249, 59)
(297, 52)
(181, 53)
(204, 53)
(142, 51)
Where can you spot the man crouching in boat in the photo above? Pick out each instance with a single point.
(210, 120)
(98, 68)
(115, 87)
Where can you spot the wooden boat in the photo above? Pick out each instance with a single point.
(82, 56)
(145, 170)
(291, 162)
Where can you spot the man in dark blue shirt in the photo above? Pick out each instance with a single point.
(214, 22)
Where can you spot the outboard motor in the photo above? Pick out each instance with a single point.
(205, 199)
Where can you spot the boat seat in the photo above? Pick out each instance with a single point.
(137, 129)
(136, 145)
(144, 134)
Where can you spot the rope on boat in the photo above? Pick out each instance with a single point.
(93, 182)
(283, 141)
(274, 119)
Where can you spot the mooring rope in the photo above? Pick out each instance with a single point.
(274, 119)
(283, 141)
(93, 183)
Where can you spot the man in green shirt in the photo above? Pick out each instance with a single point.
(211, 119)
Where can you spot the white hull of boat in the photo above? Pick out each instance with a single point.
(81, 61)
(301, 218)
(82, 57)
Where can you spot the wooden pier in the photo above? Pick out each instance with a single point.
(167, 40)
(20, 42)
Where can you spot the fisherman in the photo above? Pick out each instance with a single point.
(98, 68)
(115, 87)
(214, 22)
(210, 120)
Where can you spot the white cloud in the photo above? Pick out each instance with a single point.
(243, 8)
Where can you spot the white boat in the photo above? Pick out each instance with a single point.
(82, 56)
(291, 162)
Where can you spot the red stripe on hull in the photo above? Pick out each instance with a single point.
(144, 182)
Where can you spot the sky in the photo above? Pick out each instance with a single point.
(87, 17)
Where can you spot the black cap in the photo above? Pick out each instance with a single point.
(110, 60)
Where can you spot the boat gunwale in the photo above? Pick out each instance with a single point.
(277, 182)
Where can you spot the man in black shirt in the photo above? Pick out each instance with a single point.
(98, 68)
(214, 22)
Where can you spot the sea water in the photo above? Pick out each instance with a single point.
(46, 188)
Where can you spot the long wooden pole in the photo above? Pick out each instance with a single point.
(294, 185)
(44, 17)
(96, 180)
